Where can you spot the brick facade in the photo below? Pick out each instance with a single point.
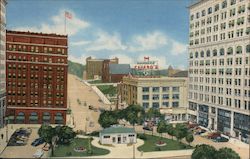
(36, 70)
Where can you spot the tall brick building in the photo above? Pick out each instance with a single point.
(36, 70)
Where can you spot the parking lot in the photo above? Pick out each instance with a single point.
(25, 151)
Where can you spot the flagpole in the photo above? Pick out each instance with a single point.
(65, 22)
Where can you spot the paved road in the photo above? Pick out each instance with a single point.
(77, 90)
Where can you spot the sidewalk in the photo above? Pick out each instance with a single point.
(3, 142)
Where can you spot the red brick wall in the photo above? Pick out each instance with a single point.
(33, 75)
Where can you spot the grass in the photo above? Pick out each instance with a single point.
(68, 150)
(108, 89)
(150, 141)
(95, 82)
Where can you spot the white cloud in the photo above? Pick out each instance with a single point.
(57, 25)
(79, 43)
(178, 48)
(106, 41)
(123, 59)
(181, 67)
(150, 41)
(162, 62)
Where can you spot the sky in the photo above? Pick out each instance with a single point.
(127, 29)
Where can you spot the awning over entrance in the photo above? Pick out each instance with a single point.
(33, 117)
(20, 117)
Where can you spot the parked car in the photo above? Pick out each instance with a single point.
(220, 139)
(38, 154)
(147, 128)
(20, 142)
(37, 142)
(91, 107)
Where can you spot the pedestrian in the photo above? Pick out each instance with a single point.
(141, 153)
(2, 136)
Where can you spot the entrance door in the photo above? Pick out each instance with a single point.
(119, 140)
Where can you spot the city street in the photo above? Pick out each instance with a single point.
(81, 114)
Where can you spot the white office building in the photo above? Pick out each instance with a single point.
(2, 61)
(219, 66)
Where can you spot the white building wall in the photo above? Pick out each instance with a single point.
(125, 138)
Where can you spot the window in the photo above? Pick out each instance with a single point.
(222, 51)
(176, 89)
(166, 104)
(217, 7)
(203, 13)
(165, 96)
(248, 48)
(230, 51)
(175, 104)
(145, 89)
(224, 4)
(233, 2)
(155, 105)
(175, 96)
(145, 97)
(165, 89)
(214, 52)
(155, 97)
(209, 11)
(145, 105)
(202, 53)
(239, 50)
(106, 137)
(196, 54)
(208, 53)
(156, 89)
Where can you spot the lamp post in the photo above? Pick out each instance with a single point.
(133, 150)
(6, 122)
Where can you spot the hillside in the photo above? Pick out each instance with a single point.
(76, 69)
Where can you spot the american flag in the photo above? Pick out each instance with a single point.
(146, 58)
(68, 15)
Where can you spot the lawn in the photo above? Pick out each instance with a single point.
(68, 150)
(150, 141)
(108, 89)
(95, 82)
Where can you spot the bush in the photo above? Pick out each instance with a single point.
(157, 148)
(142, 136)
(94, 133)
(68, 154)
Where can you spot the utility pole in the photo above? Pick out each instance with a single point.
(133, 150)
(7, 122)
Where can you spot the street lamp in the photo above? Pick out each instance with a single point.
(6, 122)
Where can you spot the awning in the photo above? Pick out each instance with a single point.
(20, 117)
(33, 117)
(58, 118)
(11, 117)
(46, 117)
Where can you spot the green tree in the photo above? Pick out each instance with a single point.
(65, 134)
(161, 127)
(181, 131)
(227, 153)
(47, 133)
(170, 130)
(189, 138)
(107, 118)
(204, 152)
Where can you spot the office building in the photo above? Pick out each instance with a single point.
(219, 66)
(36, 70)
(95, 68)
(169, 94)
(2, 61)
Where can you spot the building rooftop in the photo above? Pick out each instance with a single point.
(180, 74)
(35, 33)
(119, 68)
(117, 129)
(195, 2)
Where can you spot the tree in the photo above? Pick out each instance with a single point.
(189, 138)
(65, 134)
(47, 133)
(204, 152)
(181, 131)
(107, 118)
(161, 127)
(170, 130)
(227, 153)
